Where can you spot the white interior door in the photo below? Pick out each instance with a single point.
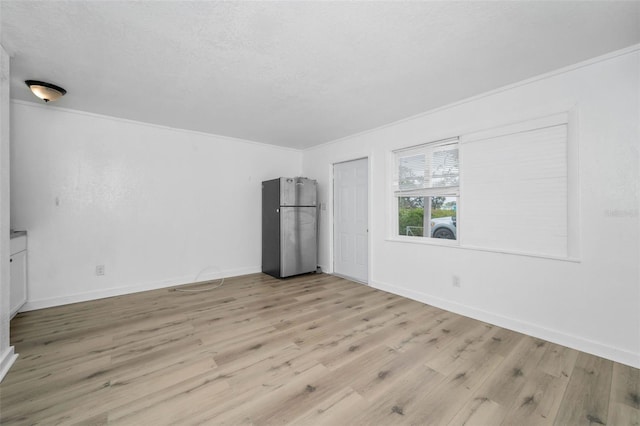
(351, 219)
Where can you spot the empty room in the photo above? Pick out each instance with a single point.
(320, 212)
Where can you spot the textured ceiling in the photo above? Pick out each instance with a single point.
(295, 73)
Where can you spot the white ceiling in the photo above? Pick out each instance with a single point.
(295, 74)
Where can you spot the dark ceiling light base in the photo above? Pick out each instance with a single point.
(45, 91)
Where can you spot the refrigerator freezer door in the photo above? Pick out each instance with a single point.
(271, 227)
(297, 192)
(298, 240)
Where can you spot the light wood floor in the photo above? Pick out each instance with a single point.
(315, 349)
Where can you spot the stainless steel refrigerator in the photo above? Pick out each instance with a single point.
(289, 226)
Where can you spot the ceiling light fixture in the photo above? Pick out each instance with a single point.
(45, 91)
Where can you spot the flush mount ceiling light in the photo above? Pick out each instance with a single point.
(45, 91)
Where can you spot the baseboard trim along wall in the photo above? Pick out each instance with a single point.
(33, 305)
(595, 348)
(6, 361)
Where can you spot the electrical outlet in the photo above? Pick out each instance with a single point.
(455, 281)
(100, 270)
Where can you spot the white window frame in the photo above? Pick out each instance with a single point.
(447, 191)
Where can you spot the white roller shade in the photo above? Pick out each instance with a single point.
(515, 191)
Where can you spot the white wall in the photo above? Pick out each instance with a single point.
(592, 305)
(7, 355)
(156, 206)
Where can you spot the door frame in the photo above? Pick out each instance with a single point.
(332, 215)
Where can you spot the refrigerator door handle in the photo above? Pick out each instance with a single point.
(277, 210)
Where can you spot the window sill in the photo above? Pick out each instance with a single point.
(425, 241)
(456, 244)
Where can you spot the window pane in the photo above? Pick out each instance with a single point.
(440, 213)
(411, 216)
(444, 221)
(428, 167)
(444, 168)
(411, 172)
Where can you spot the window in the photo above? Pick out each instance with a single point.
(519, 183)
(516, 188)
(426, 187)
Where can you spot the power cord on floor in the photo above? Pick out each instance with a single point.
(200, 290)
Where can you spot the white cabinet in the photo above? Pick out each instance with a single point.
(18, 274)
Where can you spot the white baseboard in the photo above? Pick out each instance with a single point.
(6, 361)
(575, 342)
(32, 305)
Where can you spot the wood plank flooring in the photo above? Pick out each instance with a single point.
(311, 350)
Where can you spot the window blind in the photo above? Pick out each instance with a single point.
(515, 191)
(428, 170)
